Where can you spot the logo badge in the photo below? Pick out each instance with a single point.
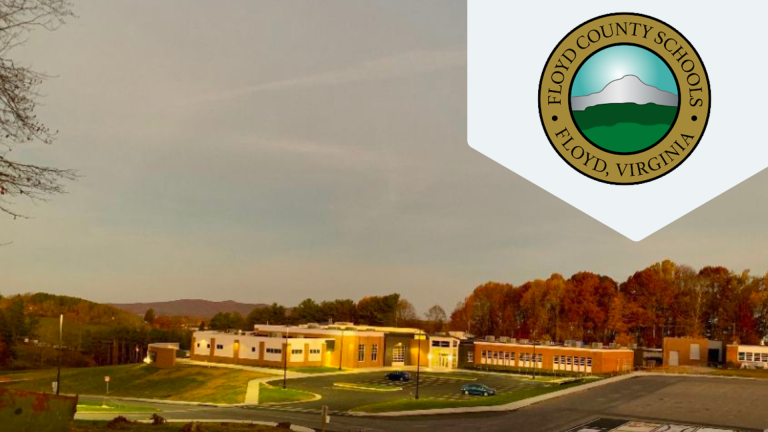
(624, 99)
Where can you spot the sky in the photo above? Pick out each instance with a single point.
(618, 61)
(281, 150)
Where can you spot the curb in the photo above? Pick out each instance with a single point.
(499, 408)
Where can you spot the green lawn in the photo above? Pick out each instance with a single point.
(181, 383)
(426, 404)
(111, 407)
(94, 426)
(269, 394)
(743, 373)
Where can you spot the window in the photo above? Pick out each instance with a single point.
(198, 345)
(582, 361)
(297, 351)
(589, 362)
(445, 344)
(495, 355)
(219, 346)
(253, 349)
(471, 356)
(568, 360)
(765, 357)
(208, 345)
(749, 356)
(274, 350)
(435, 343)
(455, 344)
(557, 360)
(374, 352)
(539, 358)
(483, 354)
(314, 351)
(741, 356)
(506, 356)
(695, 355)
(361, 353)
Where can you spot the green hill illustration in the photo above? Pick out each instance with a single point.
(626, 116)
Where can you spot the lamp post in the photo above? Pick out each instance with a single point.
(535, 362)
(419, 338)
(58, 371)
(285, 358)
(341, 348)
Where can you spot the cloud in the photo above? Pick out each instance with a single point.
(412, 63)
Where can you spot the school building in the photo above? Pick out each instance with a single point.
(747, 356)
(573, 358)
(334, 345)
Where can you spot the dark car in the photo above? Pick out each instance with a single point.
(398, 376)
(477, 390)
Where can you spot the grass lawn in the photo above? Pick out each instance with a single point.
(426, 404)
(269, 394)
(111, 407)
(182, 383)
(92, 426)
(743, 373)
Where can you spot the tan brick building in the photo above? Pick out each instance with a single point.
(551, 357)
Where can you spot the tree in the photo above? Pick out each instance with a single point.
(149, 316)
(405, 314)
(272, 314)
(378, 310)
(19, 124)
(307, 311)
(436, 319)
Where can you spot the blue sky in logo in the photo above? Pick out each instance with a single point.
(620, 60)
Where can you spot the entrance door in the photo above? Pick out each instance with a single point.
(673, 358)
(444, 362)
(398, 355)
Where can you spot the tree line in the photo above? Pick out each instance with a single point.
(664, 299)
(389, 310)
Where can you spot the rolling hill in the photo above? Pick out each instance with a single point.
(190, 307)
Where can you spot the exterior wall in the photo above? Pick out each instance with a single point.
(747, 355)
(392, 340)
(163, 357)
(686, 349)
(422, 358)
(443, 352)
(554, 358)
(257, 350)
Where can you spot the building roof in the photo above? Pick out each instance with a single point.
(556, 347)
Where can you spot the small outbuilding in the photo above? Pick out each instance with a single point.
(162, 355)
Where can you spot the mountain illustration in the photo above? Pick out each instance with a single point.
(627, 89)
(626, 116)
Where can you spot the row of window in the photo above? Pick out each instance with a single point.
(753, 357)
(280, 351)
(444, 344)
(576, 361)
(274, 350)
(361, 352)
(506, 355)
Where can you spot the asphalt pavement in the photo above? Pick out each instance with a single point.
(717, 402)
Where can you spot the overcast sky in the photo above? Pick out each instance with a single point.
(279, 150)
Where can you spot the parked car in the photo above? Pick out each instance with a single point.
(477, 390)
(398, 376)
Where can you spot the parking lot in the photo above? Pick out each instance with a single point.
(436, 386)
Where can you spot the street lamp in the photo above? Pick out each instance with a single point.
(419, 338)
(58, 372)
(535, 362)
(285, 358)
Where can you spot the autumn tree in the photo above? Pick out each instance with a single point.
(19, 98)
(149, 316)
(405, 314)
(436, 319)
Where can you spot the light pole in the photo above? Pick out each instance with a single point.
(58, 372)
(341, 348)
(285, 359)
(418, 362)
(535, 362)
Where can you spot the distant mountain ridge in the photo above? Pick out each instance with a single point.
(627, 89)
(190, 307)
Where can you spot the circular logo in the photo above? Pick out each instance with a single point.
(624, 98)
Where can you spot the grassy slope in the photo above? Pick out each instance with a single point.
(275, 394)
(426, 404)
(625, 127)
(184, 383)
(111, 407)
